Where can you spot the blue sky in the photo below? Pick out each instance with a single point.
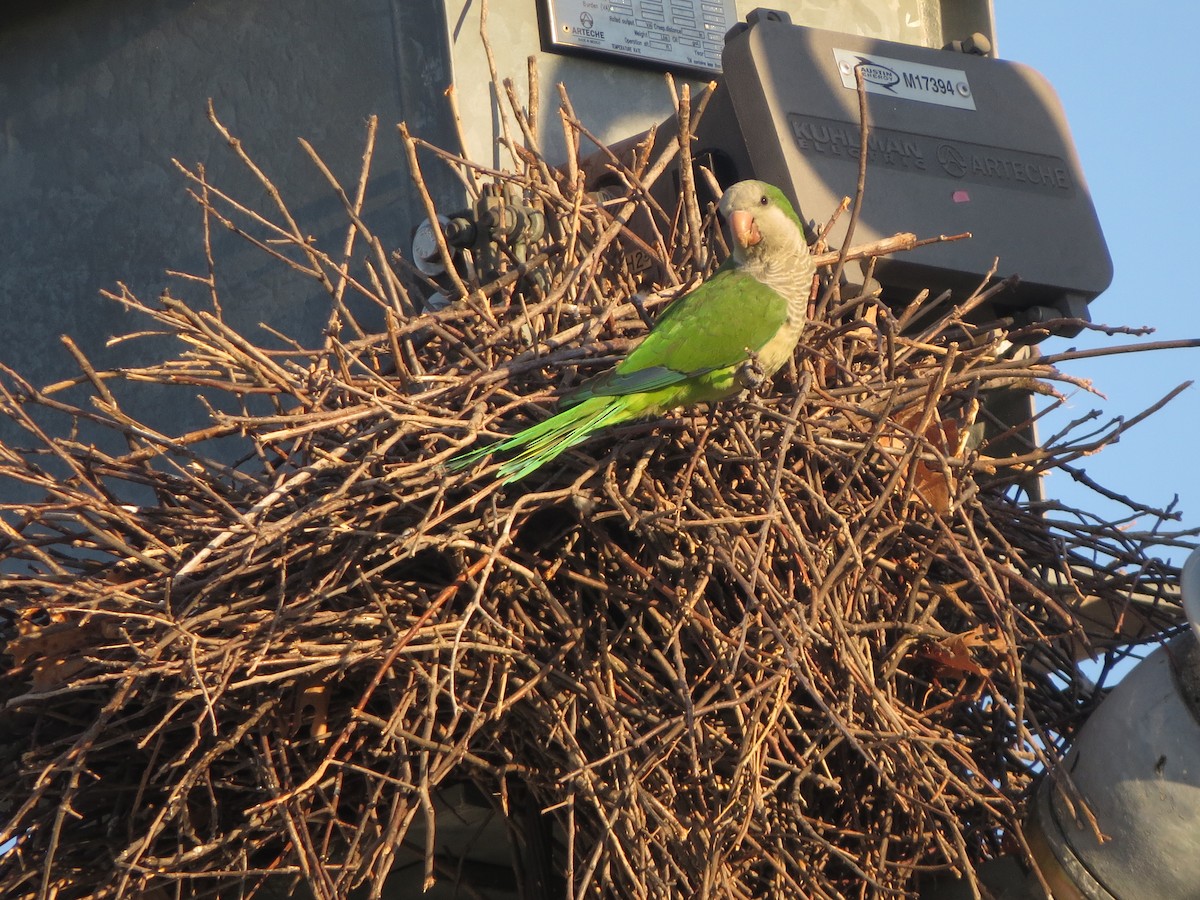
(1130, 103)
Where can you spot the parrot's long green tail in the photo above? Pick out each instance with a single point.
(543, 442)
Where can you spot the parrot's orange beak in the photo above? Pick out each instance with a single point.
(744, 228)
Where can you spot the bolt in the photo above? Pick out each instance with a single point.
(977, 44)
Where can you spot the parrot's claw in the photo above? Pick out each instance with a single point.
(750, 374)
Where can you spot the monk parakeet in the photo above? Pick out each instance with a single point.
(736, 328)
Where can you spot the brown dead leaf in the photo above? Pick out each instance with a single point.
(49, 646)
(311, 708)
(956, 657)
(930, 481)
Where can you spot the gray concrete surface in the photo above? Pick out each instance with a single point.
(97, 97)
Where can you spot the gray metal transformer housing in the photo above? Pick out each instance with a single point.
(1000, 164)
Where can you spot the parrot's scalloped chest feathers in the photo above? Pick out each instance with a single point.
(778, 350)
(780, 260)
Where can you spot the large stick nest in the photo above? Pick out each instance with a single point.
(814, 641)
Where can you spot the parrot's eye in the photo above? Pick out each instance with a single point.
(762, 201)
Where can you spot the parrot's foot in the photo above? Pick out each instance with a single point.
(750, 374)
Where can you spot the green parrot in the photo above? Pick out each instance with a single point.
(732, 331)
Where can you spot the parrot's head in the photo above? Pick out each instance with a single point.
(761, 222)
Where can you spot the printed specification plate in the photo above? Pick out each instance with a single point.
(685, 34)
(908, 80)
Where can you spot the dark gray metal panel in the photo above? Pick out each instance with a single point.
(1005, 170)
(97, 97)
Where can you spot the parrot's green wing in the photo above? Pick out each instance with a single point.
(714, 327)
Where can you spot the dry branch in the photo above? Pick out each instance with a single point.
(812, 642)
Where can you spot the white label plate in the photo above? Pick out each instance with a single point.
(685, 33)
(907, 80)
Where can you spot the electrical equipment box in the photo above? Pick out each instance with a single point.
(674, 34)
(957, 142)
